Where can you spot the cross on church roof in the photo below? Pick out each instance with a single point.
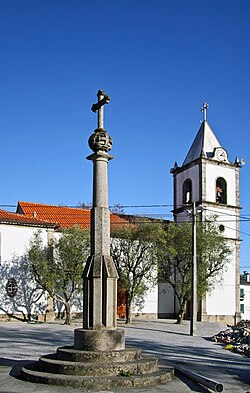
(204, 108)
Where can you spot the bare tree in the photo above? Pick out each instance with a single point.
(117, 209)
(58, 266)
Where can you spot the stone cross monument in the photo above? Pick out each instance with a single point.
(98, 359)
(100, 275)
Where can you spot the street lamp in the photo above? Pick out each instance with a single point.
(193, 316)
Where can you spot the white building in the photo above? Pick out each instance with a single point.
(208, 178)
(245, 295)
(19, 295)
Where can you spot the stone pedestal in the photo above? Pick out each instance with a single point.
(100, 287)
(99, 340)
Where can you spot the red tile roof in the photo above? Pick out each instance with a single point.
(63, 216)
(16, 218)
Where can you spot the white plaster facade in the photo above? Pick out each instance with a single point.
(15, 238)
(149, 308)
(245, 296)
(168, 304)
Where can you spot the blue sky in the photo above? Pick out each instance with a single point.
(158, 60)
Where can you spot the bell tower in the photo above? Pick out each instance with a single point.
(210, 179)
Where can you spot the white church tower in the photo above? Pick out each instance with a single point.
(210, 179)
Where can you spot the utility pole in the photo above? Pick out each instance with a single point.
(193, 318)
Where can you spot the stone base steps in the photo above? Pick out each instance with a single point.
(141, 366)
(92, 370)
(32, 374)
(78, 355)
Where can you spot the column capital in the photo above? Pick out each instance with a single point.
(100, 155)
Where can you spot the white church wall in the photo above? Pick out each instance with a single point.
(149, 306)
(28, 299)
(15, 239)
(168, 305)
(225, 218)
(221, 301)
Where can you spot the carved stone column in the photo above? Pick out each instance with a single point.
(100, 275)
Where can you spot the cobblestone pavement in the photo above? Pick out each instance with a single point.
(22, 343)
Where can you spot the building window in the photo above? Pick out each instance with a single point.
(221, 190)
(11, 287)
(242, 294)
(187, 191)
(242, 309)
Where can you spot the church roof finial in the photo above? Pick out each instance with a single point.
(204, 108)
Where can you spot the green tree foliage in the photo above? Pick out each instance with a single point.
(133, 248)
(57, 267)
(175, 260)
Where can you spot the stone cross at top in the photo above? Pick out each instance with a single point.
(204, 110)
(102, 100)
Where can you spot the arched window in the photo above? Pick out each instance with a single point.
(187, 191)
(221, 190)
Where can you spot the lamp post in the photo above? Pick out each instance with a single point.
(193, 319)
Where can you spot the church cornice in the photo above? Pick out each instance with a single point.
(204, 204)
(178, 169)
(220, 205)
(203, 160)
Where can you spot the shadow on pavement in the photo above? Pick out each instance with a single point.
(12, 362)
(15, 365)
(157, 330)
(198, 359)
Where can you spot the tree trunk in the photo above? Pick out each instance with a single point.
(128, 315)
(68, 313)
(128, 309)
(181, 312)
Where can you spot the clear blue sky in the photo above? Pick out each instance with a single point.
(158, 60)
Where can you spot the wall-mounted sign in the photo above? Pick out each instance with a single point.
(11, 287)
